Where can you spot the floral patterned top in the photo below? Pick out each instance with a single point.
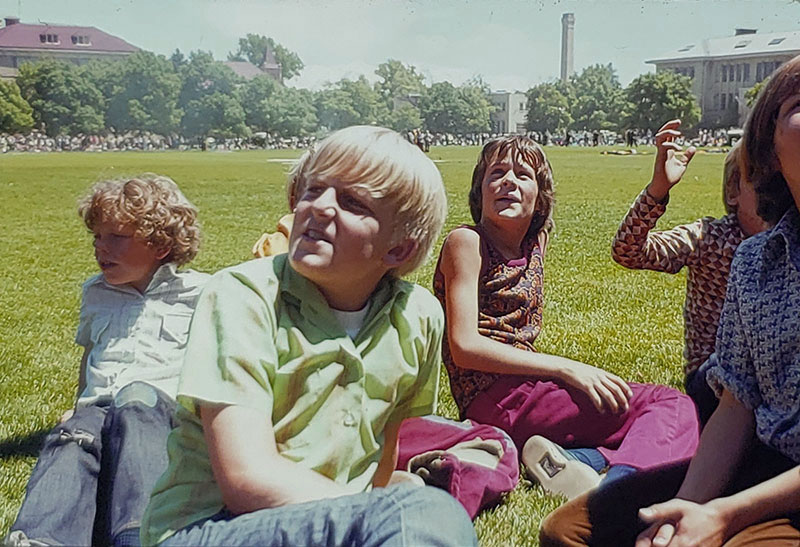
(510, 302)
(758, 342)
(705, 247)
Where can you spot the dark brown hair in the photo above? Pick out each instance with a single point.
(529, 151)
(760, 163)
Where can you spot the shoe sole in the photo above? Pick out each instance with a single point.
(557, 474)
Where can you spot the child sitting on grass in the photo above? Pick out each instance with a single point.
(490, 281)
(301, 366)
(97, 467)
(705, 247)
(743, 485)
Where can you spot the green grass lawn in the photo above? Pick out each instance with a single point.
(627, 322)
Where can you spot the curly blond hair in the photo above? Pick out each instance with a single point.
(154, 205)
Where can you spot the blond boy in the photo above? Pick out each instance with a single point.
(286, 422)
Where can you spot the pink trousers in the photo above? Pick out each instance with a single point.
(660, 426)
(474, 486)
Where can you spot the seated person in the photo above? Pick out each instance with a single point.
(97, 467)
(705, 247)
(300, 368)
(743, 485)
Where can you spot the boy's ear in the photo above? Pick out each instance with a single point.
(162, 253)
(401, 252)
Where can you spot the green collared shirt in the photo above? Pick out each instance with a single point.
(264, 337)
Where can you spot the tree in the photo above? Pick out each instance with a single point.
(284, 111)
(142, 92)
(177, 59)
(752, 94)
(16, 115)
(404, 117)
(657, 97)
(474, 110)
(398, 80)
(350, 102)
(449, 109)
(548, 108)
(599, 98)
(64, 99)
(253, 48)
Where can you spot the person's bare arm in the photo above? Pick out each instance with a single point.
(461, 263)
(251, 474)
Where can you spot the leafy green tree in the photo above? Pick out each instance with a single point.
(398, 80)
(657, 97)
(63, 97)
(599, 98)
(16, 115)
(216, 115)
(284, 111)
(548, 108)
(202, 75)
(752, 94)
(350, 102)
(253, 47)
(449, 109)
(178, 59)
(142, 92)
(404, 117)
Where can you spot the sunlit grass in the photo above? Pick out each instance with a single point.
(628, 322)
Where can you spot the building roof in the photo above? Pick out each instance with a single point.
(741, 45)
(70, 38)
(245, 69)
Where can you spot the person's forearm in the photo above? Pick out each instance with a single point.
(477, 352)
(279, 482)
(723, 443)
(772, 498)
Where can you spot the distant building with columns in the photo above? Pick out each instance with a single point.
(724, 69)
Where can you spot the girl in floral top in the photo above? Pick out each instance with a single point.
(545, 402)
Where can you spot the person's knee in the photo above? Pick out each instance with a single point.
(137, 394)
(438, 517)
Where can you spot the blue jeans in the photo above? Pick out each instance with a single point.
(95, 472)
(401, 515)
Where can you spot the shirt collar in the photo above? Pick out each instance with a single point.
(784, 239)
(164, 274)
(305, 295)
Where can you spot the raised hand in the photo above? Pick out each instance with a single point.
(607, 391)
(670, 164)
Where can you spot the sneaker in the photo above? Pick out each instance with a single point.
(556, 470)
(17, 538)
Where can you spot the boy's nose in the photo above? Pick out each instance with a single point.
(325, 203)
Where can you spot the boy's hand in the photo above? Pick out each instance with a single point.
(607, 391)
(669, 166)
(66, 416)
(682, 523)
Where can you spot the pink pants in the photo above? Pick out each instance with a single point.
(660, 426)
(474, 486)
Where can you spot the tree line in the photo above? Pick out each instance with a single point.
(199, 96)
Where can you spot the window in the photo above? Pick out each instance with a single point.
(741, 44)
(723, 104)
(730, 73)
(43, 38)
(738, 73)
(746, 72)
(716, 101)
(48, 38)
(724, 73)
(731, 100)
(776, 41)
(81, 40)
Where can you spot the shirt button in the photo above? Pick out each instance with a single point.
(349, 420)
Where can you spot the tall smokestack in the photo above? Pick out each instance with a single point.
(567, 45)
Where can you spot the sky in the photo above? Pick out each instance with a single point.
(511, 44)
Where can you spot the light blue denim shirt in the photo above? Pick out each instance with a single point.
(129, 336)
(758, 341)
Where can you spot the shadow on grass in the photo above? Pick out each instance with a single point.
(23, 445)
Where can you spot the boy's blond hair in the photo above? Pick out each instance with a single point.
(389, 168)
(160, 214)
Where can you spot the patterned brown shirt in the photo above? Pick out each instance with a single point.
(510, 302)
(706, 247)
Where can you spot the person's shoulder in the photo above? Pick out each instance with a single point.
(260, 275)
(748, 256)
(463, 239)
(417, 299)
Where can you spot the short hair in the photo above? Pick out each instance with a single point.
(760, 163)
(732, 176)
(531, 153)
(389, 168)
(154, 205)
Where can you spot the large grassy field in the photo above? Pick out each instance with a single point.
(597, 312)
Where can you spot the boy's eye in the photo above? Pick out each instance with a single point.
(352, 203)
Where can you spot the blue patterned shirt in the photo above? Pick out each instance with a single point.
(758, 341)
